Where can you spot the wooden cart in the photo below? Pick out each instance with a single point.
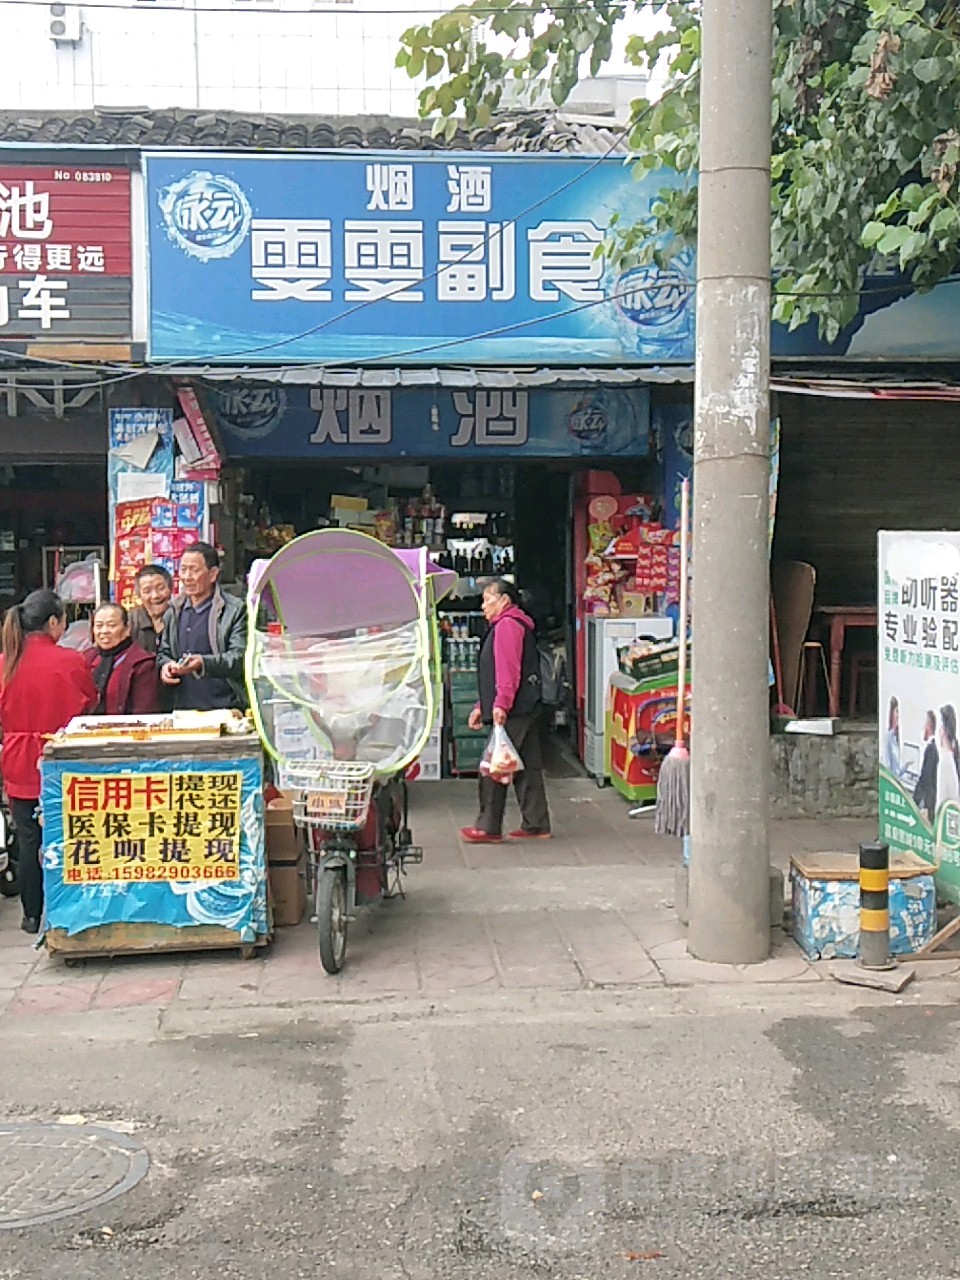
(154, 845)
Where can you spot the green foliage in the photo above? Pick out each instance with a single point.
(866, 151)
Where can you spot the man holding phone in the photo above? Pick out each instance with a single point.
(200, 655)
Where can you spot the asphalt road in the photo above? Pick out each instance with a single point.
(666, 1134)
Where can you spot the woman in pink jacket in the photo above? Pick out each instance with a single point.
(509, 686)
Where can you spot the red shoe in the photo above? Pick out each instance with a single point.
(531, 835)
(473, 835)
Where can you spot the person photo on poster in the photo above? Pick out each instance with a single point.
(891, 751)
(925, 792)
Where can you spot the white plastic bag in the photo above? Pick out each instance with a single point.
(501, 759)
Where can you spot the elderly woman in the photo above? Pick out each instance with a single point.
(125, 675)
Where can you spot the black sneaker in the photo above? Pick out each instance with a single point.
(30, 924)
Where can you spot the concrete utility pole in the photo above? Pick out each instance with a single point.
(730, 754)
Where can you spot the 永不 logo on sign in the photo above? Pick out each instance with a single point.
(250, 413)
(206, 215)
(653, 296)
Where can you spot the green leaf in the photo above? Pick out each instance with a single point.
(873, 232)
(944, 221)
(893, 239)
(913, 247)
(929, 69)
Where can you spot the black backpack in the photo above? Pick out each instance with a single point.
(554, 685)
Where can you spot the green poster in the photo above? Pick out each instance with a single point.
(919, 688)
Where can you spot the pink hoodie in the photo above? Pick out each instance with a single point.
(509, 630)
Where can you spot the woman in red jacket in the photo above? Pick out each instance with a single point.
(124, 673)
(42, 687)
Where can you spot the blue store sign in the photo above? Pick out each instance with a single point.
(451, 258)
(333, 422)
(418, 259)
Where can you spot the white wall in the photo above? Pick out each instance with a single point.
(251, 56)
(325, 57)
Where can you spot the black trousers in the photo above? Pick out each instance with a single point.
(525, 734)
(29, 870)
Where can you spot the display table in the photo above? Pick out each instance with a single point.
(154, 845)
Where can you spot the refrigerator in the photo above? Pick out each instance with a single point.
(586, 486)
(604, 636)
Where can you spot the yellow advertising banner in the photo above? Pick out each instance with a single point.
(151, 826)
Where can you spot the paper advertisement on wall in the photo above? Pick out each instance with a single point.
(140, 471)
(919, 691)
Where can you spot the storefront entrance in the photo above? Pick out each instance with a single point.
(491, 481)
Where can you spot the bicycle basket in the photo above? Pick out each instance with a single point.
(331, 794)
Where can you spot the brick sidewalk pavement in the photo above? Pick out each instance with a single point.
(591, 908)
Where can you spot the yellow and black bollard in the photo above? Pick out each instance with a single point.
(874, 952)
(873, 966)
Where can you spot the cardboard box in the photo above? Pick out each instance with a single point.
(282, 837)
(424, 771)
(288, 892)
(343, 501)
(634, 604)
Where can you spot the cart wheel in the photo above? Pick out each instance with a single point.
(72, 963)
(9, 888)
(332, 919)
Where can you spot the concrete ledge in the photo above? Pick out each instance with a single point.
(835, 777)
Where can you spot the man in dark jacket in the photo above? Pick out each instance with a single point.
(925, 792)
(201, 652)
(155, 589)
(509, 686)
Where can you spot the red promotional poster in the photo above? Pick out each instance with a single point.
(131, 546)
(65, 252)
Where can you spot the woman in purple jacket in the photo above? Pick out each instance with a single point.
(125, 675)
(509, 686)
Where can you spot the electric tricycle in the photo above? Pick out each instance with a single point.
(343, 672)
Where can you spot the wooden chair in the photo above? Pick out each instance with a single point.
(792, 584)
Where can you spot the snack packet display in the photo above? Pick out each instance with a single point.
(501, 759)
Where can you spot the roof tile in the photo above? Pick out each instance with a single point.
(231, 130)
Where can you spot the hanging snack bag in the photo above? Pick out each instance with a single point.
(501, 760)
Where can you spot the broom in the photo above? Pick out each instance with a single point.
(673, 782)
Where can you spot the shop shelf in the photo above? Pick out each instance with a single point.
(464, 697)
(468, 754)
(463, 680)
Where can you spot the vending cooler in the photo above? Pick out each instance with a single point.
(604, 636)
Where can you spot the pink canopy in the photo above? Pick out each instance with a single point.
(444, 579)
(336, 581)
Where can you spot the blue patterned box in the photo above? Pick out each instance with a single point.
(826, 904)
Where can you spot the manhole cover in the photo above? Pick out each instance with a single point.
(50, 1171)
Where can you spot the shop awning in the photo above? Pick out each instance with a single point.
(867, 388)
(497, 379)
